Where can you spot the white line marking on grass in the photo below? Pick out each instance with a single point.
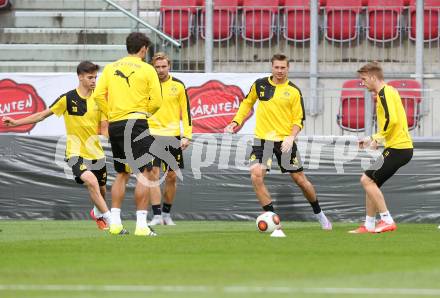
(106, 288)
(227, 289)
(347, 291)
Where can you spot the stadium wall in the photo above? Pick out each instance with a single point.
(35, 182)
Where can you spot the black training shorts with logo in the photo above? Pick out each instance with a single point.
(137, 151)
(263, 151)
(388, 163)
(79, 165)
(168, 153)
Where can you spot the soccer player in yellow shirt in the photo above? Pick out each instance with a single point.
(165, 128)
(130, 90)
(394, 135)
(279, 119)
(83, 121)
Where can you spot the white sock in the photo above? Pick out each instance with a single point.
(96, 211)
(370, 222)
(116, 216)
(107, 217)
(321, 216)
(386, 217)
(164, 214)
(141, 219)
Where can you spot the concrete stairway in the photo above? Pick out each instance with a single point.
(54, 35)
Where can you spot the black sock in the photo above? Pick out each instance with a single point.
(166, 208)
(268, 207)
(156, 209)
(315, 206)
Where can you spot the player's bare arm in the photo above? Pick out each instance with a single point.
(231, 127)
(184, 143)
(364, 142)
(103, 128)
(368, 142)
(287, 143)
(37, 117)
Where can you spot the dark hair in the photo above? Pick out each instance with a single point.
(86, 67)
(135, 41)
(279, 57)
(373, 69)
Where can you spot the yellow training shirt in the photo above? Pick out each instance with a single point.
(166, 121)
(82, 118)
(131, 87)
(280, 107)
(391, 120)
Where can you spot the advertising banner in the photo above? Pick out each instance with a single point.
(214, 99)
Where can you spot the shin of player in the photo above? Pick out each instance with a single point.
(394, 135)
(165, 127)
(279, 119)
(83, 121)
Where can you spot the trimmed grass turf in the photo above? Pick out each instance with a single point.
(215, 255)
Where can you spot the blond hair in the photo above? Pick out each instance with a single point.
(160, 56)
(372, 68)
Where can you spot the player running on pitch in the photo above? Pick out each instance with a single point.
(279, 119)
(394, 135)
(83, 121)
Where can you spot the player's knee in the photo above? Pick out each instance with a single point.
(299, 178)
(365, 180)
(171, 177)
(89, 179)
(154, 174)
(257, 176)
(124, 176)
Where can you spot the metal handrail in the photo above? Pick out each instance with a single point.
(132, 16)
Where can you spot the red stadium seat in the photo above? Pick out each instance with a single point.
(4, 3)
(352, 107)
(342, 19)
(383, 19)
(176, 17)
(224, 17)
(296, 25)
(259, 19)
(411, 95)
(431, 20)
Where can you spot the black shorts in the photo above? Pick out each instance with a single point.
(168, 153)
(263, 151)
(79, 165)
(136, 151)
(388, 163)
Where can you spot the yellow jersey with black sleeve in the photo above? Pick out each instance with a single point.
(280, 107)
(128, 89)
(391, 120)
(166, 121)
(82, 119)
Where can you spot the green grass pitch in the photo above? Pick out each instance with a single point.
(217, 259)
